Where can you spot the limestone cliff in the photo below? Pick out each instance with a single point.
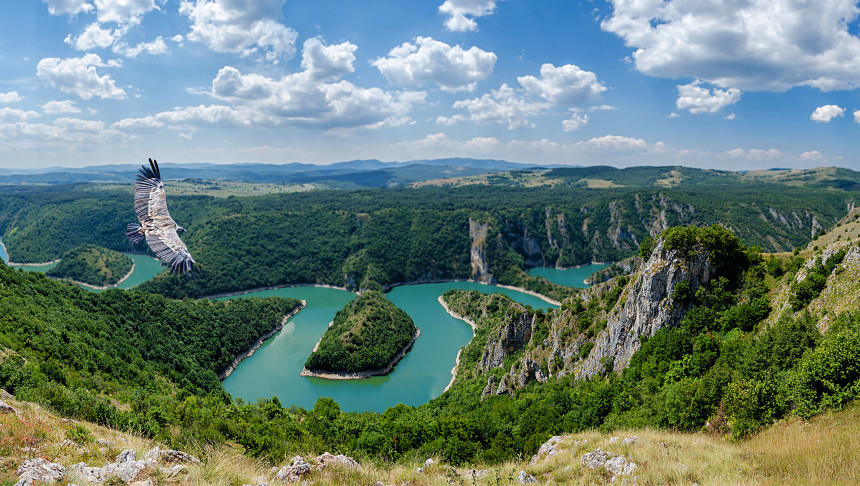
(648, 306)
(515, 333)
(478, 253)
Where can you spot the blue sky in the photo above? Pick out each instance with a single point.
(739, 84)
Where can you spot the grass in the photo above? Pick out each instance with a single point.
(822, 451)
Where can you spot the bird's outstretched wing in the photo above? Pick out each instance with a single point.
(150, 201)
(150, 205)
(167, 246)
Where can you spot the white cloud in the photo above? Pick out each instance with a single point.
(10, 97)
(696, 99)
(79, 76)
(240, 27)
(16, 114)
(432, 61)
(824, 114)
(746, 44)
(328, 62)
(614, 144)
(502, 106)
(460, 11)
(730, 116)
(154, 47)
(56, 107)
(95, 36)
(857, 116)
(674, 115)
(757, 154)
(68, 7)
(302, 98)
(813, 156)
(575, 122)
(123, 11)
(64, 134)
(566, 85)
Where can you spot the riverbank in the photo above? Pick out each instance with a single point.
(471, 324)
(360, 375)
(273, 287)
(250, 352)
(548, 300)
(99, 287)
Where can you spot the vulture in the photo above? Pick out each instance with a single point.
(156, 225)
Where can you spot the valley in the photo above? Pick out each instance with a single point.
(677, 342)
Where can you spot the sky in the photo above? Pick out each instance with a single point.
(733, 84)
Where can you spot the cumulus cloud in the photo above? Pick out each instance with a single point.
(813, 156)
(313, 97)
(750, 45)
(95, 36)
(16, 114)
(696, 99)
(123, 11)
(460, 13)
(327, 62)
(614, 144)
(10, 97)
(452, 68)
(503, 106)
(57, 107)
(240, 27)
(154, 47)
(824, 114)
(68, 7)
(565, 86)
(757, 154)
(63, 133)
(857, 116)
(79, 76)
(575, 122)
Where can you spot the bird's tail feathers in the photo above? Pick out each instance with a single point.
(132, 232)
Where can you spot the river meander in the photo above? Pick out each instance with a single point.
(145, 268)
(569, 277)
(421, 375)
(273, 370)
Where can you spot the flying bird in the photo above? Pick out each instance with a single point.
(156, 225)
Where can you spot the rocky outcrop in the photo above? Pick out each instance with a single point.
(511, 337)
(39, 470)
(478, 253)
(648, 307)
(617, 465)
(299, 468)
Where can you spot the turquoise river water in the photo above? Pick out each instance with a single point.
(273, 369)
(569, 277)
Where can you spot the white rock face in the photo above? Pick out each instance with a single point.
(39, 470)
(618, 465)
(648, 307)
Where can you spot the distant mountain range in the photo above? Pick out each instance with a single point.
(353, 174)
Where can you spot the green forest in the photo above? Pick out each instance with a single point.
(70, 349)
(93, 265)
(366, 334)
(388, 236)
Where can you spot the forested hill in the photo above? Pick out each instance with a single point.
(78, 344)
(366, 335)
(352, 238)
(93, 265)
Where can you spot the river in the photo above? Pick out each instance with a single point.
(145, 268)
(569, 277)
(420, 376)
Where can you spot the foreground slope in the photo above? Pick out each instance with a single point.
(820, 451)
